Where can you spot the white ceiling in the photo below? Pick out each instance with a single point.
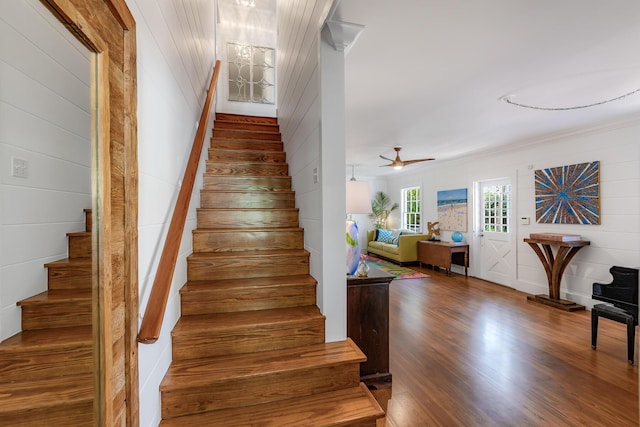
(429, 75)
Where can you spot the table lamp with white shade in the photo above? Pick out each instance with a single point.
(358, 202)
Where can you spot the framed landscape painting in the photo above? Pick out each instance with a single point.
(568, 194)
(452, 209)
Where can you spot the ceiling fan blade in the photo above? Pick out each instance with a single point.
(390, 164)
(408, 162)
(386, 158)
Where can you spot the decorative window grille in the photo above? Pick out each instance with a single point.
(251, 73)
(411, 209)
(497, 208)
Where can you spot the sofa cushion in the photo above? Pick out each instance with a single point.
(376, 245)
(394, 249)
(381, 247)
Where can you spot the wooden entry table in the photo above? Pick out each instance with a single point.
(443, 254)
(554, 266)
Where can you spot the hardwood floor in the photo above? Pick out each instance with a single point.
(465, 352)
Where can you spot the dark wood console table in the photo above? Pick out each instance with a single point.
(554, 266)
(368, 324)
(443, 254)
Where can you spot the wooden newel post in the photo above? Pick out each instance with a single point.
(554, 266)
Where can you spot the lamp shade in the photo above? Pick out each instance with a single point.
(358, 198)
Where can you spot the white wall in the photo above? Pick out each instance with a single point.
(176, 53)
(45, 120)
(300, 113)
(616, 241)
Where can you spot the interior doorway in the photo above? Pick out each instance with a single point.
(494, 231)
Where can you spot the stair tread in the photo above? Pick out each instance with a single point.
(80, 233)
(245, 118)
(49, 338)
(258, 282)
(246, 230)
(48, 392)
(266, 132)
(247, 163)
(335, 408)
(58, 295)
(198, 372)
(204, 190)
(213, 322)
(246, 254)
(81, 262)
(245, 122)
(245, 151)
(232, 177)
(248, 209)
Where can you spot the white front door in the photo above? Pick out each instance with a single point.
(494, 231)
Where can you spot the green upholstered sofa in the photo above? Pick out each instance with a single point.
(406, 251)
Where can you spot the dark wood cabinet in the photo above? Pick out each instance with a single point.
(368, 324)
(443, 254)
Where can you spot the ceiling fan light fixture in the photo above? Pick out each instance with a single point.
(398, 164)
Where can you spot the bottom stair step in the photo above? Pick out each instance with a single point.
(62, 401)
(353, 406)
(201, 385)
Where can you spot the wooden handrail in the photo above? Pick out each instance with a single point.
(154, 313)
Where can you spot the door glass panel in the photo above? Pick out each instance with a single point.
(497, 208)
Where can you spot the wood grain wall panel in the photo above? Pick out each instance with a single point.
(95, 23)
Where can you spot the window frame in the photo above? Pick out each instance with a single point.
(416, 211)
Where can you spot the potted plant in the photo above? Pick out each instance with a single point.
(381, 208)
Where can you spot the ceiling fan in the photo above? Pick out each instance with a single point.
(399, 164)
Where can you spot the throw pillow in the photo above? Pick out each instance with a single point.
(385, 236)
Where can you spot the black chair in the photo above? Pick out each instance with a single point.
(618, 315)
(622, 298)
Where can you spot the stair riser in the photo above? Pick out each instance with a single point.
(233, 300)
(246, 119)
(78, 414)
(213, 218)
(247, 169)
(246, 267)
(246, 135)
(248, 340)
(239, 241)
(257, 390)
(56, 315)
(222, 183)
(273, 157)
(255, 127)
(241, 144)
(230, 200)
(78, 277)
(80, 246)
(42, 364)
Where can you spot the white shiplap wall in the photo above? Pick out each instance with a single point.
(616, 241)
(45, 120)
(175, 54)
(302, 117)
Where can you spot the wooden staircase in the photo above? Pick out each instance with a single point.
(47, 370)
(250, 346)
